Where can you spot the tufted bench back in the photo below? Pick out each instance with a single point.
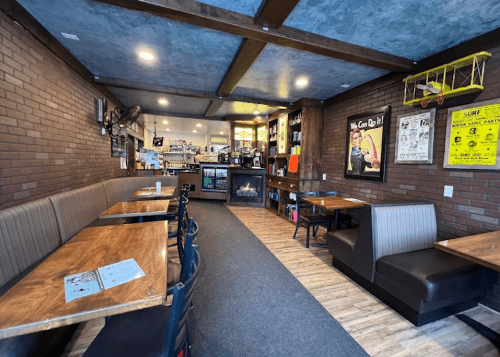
(28, 233)
(76, 209)
(403, 228)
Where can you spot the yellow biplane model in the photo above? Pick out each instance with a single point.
(459, 77)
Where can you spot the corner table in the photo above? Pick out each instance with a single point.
(37, 302)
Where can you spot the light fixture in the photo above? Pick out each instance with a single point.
(167, 129)
(221, 133)
(345, 85)
(194, 131)
(165, 122)
(256, 112)
(198, 125)
(70, 36)
(163, 101)
(302, 82)
(145, 55)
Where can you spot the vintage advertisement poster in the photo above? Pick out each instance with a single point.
(282, 133)
(414, 137)
(472, 137)
(365, 149)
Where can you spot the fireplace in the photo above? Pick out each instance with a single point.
(247, 187)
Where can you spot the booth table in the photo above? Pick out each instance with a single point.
(137, 209)
(150, 192)
(37, 302)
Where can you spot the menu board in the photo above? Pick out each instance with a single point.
(414, 137)
(472, 136)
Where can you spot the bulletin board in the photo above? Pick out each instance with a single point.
(472, 136)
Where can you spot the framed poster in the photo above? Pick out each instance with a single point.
(415, 137)
(472, 136)
(366, 141)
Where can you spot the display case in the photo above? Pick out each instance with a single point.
(214, 178)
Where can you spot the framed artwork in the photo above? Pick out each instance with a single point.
(366, 141)
(415, 137)
(472, 136)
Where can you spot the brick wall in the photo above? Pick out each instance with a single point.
(474, 207)
(49, 140)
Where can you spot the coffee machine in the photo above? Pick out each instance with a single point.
(256, 159)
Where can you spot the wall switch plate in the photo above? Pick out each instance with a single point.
(324, 176)
(448, 191)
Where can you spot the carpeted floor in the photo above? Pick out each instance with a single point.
(248, 304)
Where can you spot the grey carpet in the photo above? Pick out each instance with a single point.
(248, 304)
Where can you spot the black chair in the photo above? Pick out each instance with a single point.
(308, 219)
(176, 271)
(155, 331)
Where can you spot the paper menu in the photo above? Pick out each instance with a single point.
(353, 200)
(94, 281)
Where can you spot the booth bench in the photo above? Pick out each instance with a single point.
(32, 231)
(391, 255)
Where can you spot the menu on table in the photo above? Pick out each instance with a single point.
(353, 200)
(106, 277)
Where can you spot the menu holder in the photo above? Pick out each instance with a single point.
(93, 281)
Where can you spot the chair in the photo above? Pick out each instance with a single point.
(176, 271)
(308, 219)
(178, 234)
(155, 331)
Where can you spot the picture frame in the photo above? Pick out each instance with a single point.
(472, 136)
(415, 137)
(366, 144)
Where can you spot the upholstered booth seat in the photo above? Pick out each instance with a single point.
(430, 275)
(341, 244)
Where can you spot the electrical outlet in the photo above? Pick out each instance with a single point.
(448, 191)
(103, 131)
(324, 176)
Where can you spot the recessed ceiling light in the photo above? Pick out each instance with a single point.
(165, 122)
(302, 82)
(70, 36)
(148, 56)
(167, 129)
(221, 132)
(256, 112)
(194, 131)
(163, 101)
(345, 85)
(198, 125)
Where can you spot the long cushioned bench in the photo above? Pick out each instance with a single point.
(391, 254)
(32, 231)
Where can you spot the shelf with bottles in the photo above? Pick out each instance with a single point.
(295, 118)
(277, 166)
(273, 197)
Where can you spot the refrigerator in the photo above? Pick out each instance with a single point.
(214, 178)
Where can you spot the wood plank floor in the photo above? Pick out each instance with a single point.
(377, 328)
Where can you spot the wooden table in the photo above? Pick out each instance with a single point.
(137, 209)
(37, 302)
(150, 192)
(332, 203)
(483, 249)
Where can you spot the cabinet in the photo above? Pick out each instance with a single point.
(299, 138)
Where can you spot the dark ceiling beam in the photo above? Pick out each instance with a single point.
(213, 107)
(179, 115)
(199, 14)
(481, 43)
(17, 13)
(182, 92)
(272, 13)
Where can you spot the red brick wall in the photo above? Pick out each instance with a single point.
(49, 139)
(474, 207)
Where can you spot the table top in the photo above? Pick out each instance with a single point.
(37, 302)
(333, 203)
(150, 192)
(482, 249)
(137, 209)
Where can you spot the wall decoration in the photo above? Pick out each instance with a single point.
(415, 137)
(366, 142)
(472, 136)
(282, 133)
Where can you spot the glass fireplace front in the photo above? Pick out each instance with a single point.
(247, 188)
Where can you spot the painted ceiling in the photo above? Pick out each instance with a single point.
(189, 58)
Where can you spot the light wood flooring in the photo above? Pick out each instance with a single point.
(376, 327)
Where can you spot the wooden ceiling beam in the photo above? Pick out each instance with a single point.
(199, 14)
(182, 92)
(17, 13)
(272, 13)
(180, 115)
(213, 107)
